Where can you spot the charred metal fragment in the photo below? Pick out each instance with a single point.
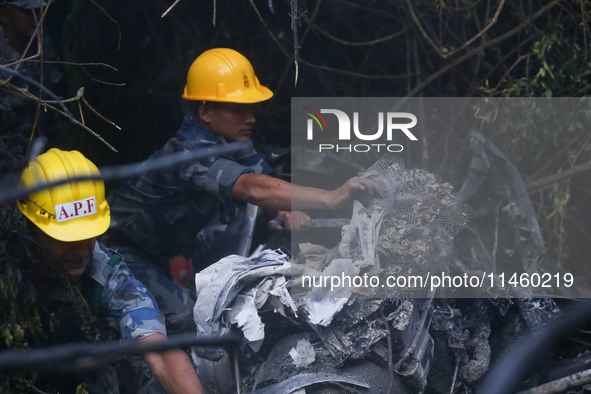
(304, 380)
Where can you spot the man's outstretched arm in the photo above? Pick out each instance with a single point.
(277, 195)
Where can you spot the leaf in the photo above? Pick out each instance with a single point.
(19, 333)
(8, 337)
(81, 389)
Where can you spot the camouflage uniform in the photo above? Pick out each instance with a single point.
(157, 215)
(124, 299)
(124, 308)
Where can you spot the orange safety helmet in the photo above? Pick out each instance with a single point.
(224, 75)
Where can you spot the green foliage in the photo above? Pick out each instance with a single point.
(560, 195)
(81, 389)
(19, 318)
(556, 64)
(556, 67)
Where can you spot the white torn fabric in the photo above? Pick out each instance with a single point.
(274, 290)
(303, 354)
(324, 301)
(322, 310)
(262, 291)
(313, 255)
(244, 308)
(280, 290)
(298, 271)
(308, 248)
(244, 313)
(362, 233)
(233, 289)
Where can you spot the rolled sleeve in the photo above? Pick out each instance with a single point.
(221, 177)
(140, 323)
(131, 304)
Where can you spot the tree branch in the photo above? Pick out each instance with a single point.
(354, 44)
(353, 73)
(551, 179)
(479, 49)
(256, 10)
(464, 45)
(66, 113)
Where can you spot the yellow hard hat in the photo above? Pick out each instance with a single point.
(224, 75)
(70, 212)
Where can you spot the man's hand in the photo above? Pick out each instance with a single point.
(290, 221)
(173, 369)
(356, 188)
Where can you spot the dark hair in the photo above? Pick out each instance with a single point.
(212, 104)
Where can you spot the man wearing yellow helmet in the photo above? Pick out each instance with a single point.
(72, 274)
(158, 215)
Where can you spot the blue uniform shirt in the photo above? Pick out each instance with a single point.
(160, 213)
(124, 299)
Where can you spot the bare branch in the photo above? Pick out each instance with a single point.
(470, 41)
(354, 74)
(256, 10)
(499, 63)
(354, 44)
(33, 59)
(99, 81)
(112, 20)
(81, 113)
(41, 78)
(25, 94)
(78, 96)
(35, 35)
(95, 134)
(170, 8)
(98, 114)
(551, 179)
(294, 28)
(519, 59)
(480, 48)
(23, 59)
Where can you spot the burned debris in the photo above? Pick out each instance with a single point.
(364, 338)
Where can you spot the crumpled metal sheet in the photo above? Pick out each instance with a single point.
(307, 379)
(225, 295)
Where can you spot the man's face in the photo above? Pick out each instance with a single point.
(232, 120)
(68, 257)
(19, 22)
